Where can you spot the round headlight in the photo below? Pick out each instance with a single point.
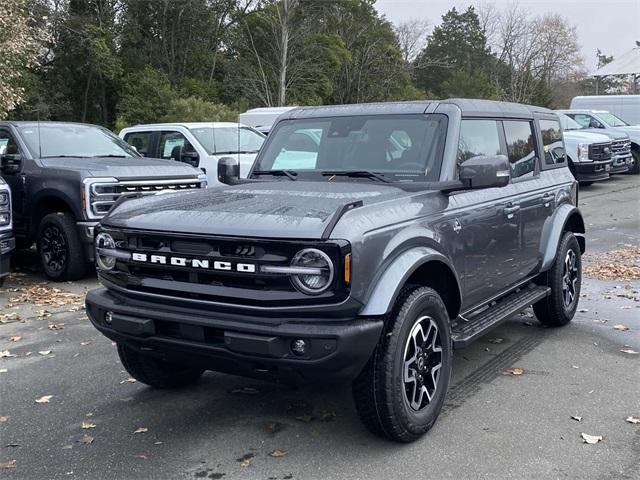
(320, 270)
(105, 241)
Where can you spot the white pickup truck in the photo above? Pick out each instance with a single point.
(199, 144)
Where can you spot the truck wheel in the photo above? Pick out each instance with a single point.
(635, 168)
(400, 391)
(2, 282)
(564, 279)
(154, 372)
(61, 252)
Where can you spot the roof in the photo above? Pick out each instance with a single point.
(191, 124)
(582, 110)
(33, 123)
(626, 64)
(268, 110)
(469, 107)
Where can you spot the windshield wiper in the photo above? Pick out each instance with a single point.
(235, 152)
(356, 173)
(292, 174)
(111, 155)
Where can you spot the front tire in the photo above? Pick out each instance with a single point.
(61, 251)
(155, 372)
(635, 168)
(564, 279)
(401, 390)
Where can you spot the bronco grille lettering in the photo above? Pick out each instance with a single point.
(193, 263)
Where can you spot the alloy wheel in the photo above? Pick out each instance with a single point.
(569, 278)
(54, 248)
(422, 363)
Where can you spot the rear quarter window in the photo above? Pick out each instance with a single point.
(552, 144)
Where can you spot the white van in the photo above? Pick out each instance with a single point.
(262, 119)
(200, 144)
(626, 107)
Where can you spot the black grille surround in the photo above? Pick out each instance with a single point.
(600, 151)
(231, 287)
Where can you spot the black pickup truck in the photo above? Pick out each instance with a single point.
(65, 176)
(368, 242)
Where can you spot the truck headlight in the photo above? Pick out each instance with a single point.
(583, 152)
(5, 218)
(103, 242)
(4, 198)
(316, 272)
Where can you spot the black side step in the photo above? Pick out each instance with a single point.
(465, 331)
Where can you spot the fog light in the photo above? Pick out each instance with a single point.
(108, 318)
(299, 347)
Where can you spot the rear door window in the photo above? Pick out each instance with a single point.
(521, 149)
(552, 142)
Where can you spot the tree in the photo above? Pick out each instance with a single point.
(146, 97)
(20, 45)
(458, 43)
(412, 36)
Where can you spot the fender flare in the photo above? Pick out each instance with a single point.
(383, 294)
(553, 230)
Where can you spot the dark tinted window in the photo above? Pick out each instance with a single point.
(552, 142)
(8, 144)
(139, 140)
(520, 148)
(478, 137)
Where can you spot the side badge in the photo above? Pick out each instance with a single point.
(457, 226)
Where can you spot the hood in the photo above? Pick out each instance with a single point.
(613, 134)
(279, 209)
(632, 131)
(122, 168)
(585, 136)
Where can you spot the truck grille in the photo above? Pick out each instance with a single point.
(102, 196)
(600, 151)
(232, 286)
(621, 147)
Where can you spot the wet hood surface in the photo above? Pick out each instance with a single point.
(281, 209)
(122, 168)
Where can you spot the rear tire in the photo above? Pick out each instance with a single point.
(401, 390)
(155, 372)
(564, 279)
(61, 252)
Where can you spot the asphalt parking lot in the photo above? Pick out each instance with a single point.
(68, 409)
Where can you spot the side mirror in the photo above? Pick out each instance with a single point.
(192, 158)
(228, 170)
(485, 172)
(10, 163)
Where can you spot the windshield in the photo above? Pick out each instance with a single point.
(228, 139)
(611, 120)
(399, 147)
(71, 140)
(568, 123)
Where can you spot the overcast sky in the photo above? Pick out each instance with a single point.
(611, 25)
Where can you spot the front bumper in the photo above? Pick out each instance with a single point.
(86, 233)
(7, 245)
(592, 171)
(621, 163)
(237, 343)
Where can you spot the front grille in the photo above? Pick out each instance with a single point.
(600, 151)
(621, 147)
(104, 195)
(233, 286)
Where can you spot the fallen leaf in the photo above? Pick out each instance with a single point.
(305, 418)
(273, 427)
(8, 465)
(245, 463)
(44, 399)
(86, 439)
(15, 338)
(629, 350)
(87, 425)
(88, 342)
(67, 447)
(56, 326)
(576, 418)
(574, 366)
(12, 445)
(496, 340)
(591, 439)
(142, 457)
(44, 352)
(246, 391)
(157, 443)
(245, 460)
(512, 371)
(621, 328)
(128, 380)
(3, 370)
(6, 354)
(3, 418)
(328, 416)
(633, 419)
(278, 453)
(141, 430)
(583, 310)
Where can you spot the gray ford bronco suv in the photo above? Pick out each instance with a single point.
(367, 243)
